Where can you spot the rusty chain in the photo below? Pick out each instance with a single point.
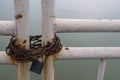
(36, 50)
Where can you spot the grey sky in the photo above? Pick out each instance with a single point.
(89, 8)
(81, 9)
(70, 8)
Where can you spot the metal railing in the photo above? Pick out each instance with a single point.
(50, 25)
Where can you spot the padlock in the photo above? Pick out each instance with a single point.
(36, 66)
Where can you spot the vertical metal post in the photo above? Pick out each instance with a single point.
(21, 8)
(101, 70)
(48, 19)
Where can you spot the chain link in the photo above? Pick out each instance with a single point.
(36, 50)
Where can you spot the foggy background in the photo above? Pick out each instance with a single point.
(80, 9)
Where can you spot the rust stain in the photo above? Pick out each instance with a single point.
(52, 16)
(24, 41)
(46, 74)
(21, 43)
(54, 56)
(18, 16)
(45, 67)
(66, 48)
(12, 61)
(22, 71)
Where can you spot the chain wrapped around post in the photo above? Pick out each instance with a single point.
(20, 54)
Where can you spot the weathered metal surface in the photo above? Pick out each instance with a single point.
(101, 69)
(73, 53)
(19, 53)
(88, 53)
(5, 59)
(86, 25)
(48, 20)
(69, 25)
(21, 8)
(18, 16)
(7, 28)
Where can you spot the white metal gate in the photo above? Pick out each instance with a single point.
(50, 25)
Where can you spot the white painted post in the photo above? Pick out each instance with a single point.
(22, 33)
(101, 70)
(48, 19)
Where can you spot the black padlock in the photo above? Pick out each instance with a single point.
(36, 66)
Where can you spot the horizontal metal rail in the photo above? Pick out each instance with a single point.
(69, 53)
(5, 59)
(70, 25)
(89, 53)
(86, 25)
(7, 28)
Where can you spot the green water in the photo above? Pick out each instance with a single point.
(77, 69)
(69, 69)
